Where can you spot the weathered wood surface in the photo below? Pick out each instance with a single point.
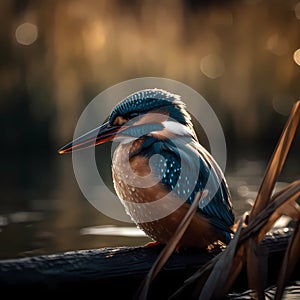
(118, 272)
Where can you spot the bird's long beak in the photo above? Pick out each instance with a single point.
(97, 136)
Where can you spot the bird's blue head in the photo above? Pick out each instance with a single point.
(142, 113)
(151, 100)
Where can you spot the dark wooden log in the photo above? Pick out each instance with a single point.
(118, 272)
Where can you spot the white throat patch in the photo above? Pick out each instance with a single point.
(176, 128)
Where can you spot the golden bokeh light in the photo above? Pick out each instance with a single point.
(95, 36)
(296, 57)
(26, 34)
(212, 66)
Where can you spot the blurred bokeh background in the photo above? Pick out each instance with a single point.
(56, 56)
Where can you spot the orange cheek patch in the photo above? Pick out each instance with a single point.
(119, 121)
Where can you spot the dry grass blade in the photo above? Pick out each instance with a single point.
(256, 258)
(276, 162)
(289, 194)
(261, 224)
(221, 269)
(236, 267)
(290, 259)
(170, 247)
(256, 267)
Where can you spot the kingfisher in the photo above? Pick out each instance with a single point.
(159, 166)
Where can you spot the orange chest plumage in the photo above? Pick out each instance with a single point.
(135, 185)
(133, 180)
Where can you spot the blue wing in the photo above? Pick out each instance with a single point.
(176, 162)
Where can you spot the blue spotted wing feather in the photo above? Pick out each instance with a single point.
(177, 164)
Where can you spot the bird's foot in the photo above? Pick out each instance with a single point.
(151, 244)
(216, 247)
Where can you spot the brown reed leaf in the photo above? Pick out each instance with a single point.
(256, 267)
(289, 194)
